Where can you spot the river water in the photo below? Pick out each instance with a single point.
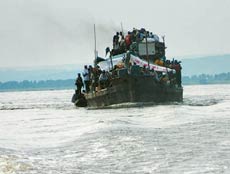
(42, 132)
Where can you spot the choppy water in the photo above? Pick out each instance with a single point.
(42, 132)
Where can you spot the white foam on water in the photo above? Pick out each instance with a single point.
(43, 132)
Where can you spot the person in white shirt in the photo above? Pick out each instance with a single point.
(86, 78)
(103, 80)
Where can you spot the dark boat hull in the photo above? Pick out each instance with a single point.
(135, 89)
(79, 100)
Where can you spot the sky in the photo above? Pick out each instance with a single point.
(56, 32)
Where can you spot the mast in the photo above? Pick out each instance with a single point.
(95, 46)
(111, 61)
(122, 29)
(147, 52)
(163, 38)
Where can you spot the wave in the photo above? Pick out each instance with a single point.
(60, 106)
(13, 164)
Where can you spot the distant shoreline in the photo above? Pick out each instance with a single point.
(36, 89)
(70, 88)
(26, 85)
(14, 86)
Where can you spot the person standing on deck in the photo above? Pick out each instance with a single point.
(86, 78)
(176, 65)
(79, 83)
(103, 80)
(116, 41)
(128, 40)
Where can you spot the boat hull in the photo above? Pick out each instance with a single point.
(135, 89)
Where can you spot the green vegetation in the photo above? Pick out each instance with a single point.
(37, 85)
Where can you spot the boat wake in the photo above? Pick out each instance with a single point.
(186, 101)
(133, 105)
(201, 101)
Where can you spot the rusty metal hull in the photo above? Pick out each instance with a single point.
(134, 89)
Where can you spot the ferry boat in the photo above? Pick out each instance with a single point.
(137, 71)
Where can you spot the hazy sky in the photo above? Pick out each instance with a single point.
(54, 32)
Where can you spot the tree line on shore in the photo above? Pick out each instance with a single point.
(222, 78)
(42, 84)
(69, 83)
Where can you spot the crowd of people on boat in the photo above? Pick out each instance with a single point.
(122, 43)
(95, 79)
(172, 77)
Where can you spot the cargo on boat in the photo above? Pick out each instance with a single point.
(134, 70)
